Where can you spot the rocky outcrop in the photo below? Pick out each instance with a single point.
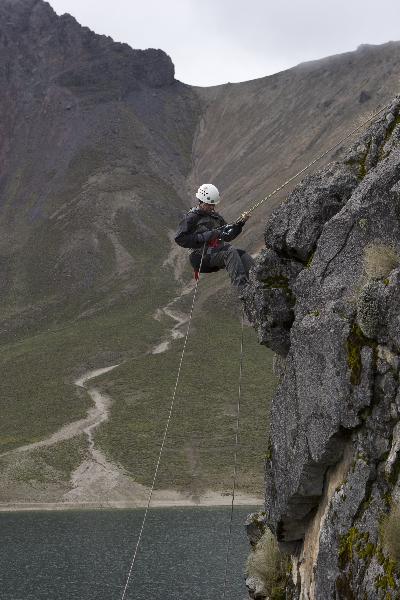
(325, 296)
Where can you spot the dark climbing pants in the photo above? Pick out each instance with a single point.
(237, 262)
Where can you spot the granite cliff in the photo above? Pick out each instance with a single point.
(325, 297)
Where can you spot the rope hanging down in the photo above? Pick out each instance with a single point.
(228, 548)
(164, 436)
(315, 160)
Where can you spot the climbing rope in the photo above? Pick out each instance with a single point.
(164, 436)
(314, 161)
(228, 548)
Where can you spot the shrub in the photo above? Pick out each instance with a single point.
(380, 260)
(269, 565)
(390, 533)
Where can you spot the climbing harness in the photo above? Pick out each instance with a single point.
(228, 548)
(164, 437)
(194, 258)
(313, 162)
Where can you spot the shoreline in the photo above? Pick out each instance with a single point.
(211, 500)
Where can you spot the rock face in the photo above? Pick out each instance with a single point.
(325, 295)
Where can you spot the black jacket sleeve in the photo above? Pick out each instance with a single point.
(186, 236)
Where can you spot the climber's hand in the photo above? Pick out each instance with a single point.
(227, 231)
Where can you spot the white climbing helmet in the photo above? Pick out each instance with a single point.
(208, 194)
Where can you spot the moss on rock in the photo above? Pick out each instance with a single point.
(356, 341)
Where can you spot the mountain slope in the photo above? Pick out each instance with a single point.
(101, 150)
(96, 145)
(255, 135)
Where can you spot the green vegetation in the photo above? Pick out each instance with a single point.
(51, 464)
(355, 342)
(270, 566)
(391, 128)
(280, 282)
(200, 443)
(362, 167)
(310, 259)
(268, 454)
(363, 224)
(387, 553)
(37, 390)
(346, 546)
(39, 397)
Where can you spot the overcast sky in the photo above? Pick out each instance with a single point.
(215, 41)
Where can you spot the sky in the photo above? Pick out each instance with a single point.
(216, 41)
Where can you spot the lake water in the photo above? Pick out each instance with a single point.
(85, 555)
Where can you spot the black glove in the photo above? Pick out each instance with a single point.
(227, 232)
(213, 234)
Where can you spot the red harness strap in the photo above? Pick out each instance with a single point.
(211, 244)
(214, 243)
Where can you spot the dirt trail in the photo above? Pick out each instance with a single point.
(97, 480)
(176, 260)
(99, 483)
(179, 317)
(95, 416)
(160, 499)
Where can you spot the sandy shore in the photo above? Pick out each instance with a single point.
(161, 499)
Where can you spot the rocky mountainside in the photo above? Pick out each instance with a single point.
(101, 149)
(283, 121)
(95, 147)
(325, 297)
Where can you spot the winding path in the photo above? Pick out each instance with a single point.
(98, 482)
(179, 317)
(95, 416)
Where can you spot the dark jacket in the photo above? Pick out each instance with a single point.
(196, 222)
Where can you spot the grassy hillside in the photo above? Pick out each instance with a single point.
(39, 396)
(36, 387)
(199, 449)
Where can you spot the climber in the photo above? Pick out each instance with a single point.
(203, 225)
